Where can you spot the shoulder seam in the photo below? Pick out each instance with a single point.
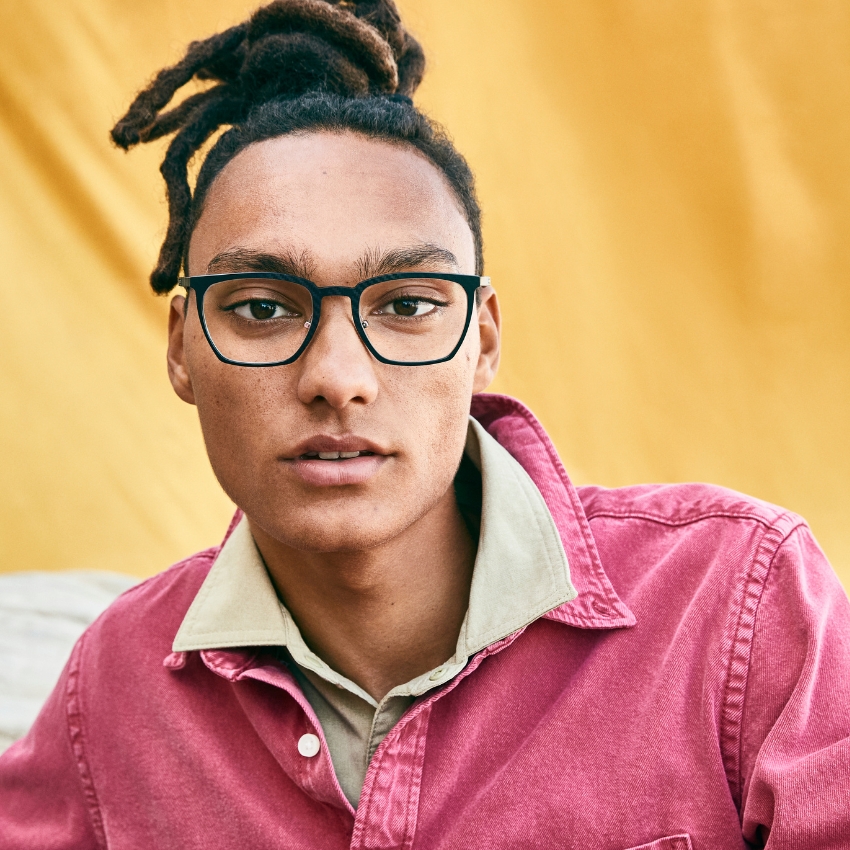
(73, 710)
(666, 520)
(739, 640)
(206, 554)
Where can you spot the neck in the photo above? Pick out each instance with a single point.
(382, 616)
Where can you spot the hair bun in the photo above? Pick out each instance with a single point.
(285, 49)
(312, 45)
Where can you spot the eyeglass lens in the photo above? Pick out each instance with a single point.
(258, 320)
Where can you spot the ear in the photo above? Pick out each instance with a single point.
(178, 372)
(489, 332)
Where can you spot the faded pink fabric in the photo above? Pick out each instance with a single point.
(696, 694)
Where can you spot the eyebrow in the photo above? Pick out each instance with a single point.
(248, 260)
(374, 261)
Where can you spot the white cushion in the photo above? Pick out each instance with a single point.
(41, 616)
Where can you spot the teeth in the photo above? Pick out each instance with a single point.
(333, 455)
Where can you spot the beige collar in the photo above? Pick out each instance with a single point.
(520, 573)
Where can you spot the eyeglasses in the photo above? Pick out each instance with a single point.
(265, 319)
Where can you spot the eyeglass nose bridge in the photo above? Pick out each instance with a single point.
(363, 323)
(319, 293)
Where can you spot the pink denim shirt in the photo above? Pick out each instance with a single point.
(695, 694)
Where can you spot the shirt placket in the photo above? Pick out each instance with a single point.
(389, 801)
(386, 817)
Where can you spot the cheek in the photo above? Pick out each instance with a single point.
(434, 406)
(236, 406)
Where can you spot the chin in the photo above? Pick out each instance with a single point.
(333, 528)
(342, 537)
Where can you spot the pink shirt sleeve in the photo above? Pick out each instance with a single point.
(46, 797)
(795, 723)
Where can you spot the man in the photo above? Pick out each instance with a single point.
(417, 632)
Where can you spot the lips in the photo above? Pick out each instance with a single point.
(328, 461)
(328, 447)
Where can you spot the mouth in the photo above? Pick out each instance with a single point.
(329, 447)
(329, 461)
(335, 456)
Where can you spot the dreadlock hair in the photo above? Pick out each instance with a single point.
(293, 66)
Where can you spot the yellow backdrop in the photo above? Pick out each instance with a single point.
(667, 198)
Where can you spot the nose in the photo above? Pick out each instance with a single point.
(336, 367)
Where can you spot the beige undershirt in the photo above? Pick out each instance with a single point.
(520, 573)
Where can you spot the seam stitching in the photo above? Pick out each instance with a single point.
(74, 720)
(665, 520)
(748, 596)
(416, 781)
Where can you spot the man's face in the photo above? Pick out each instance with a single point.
(331, 207)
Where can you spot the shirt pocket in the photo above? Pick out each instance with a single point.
(671, 842)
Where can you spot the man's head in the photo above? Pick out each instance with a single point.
(335, 189)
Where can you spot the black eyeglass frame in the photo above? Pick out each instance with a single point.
(201, 283)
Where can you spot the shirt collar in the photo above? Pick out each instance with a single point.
(521, 572)
(515, 427)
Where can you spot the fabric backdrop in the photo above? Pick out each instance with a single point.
(667, 198)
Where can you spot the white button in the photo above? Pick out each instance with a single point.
(308, 745)
(437, 674)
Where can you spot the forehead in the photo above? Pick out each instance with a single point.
(332, 196)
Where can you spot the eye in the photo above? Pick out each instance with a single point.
(408, 306)
(262, 309)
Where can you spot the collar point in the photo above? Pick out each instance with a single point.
(175, 660)
(588, 611)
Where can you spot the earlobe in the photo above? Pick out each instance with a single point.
(489, 332)
(178, 372)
